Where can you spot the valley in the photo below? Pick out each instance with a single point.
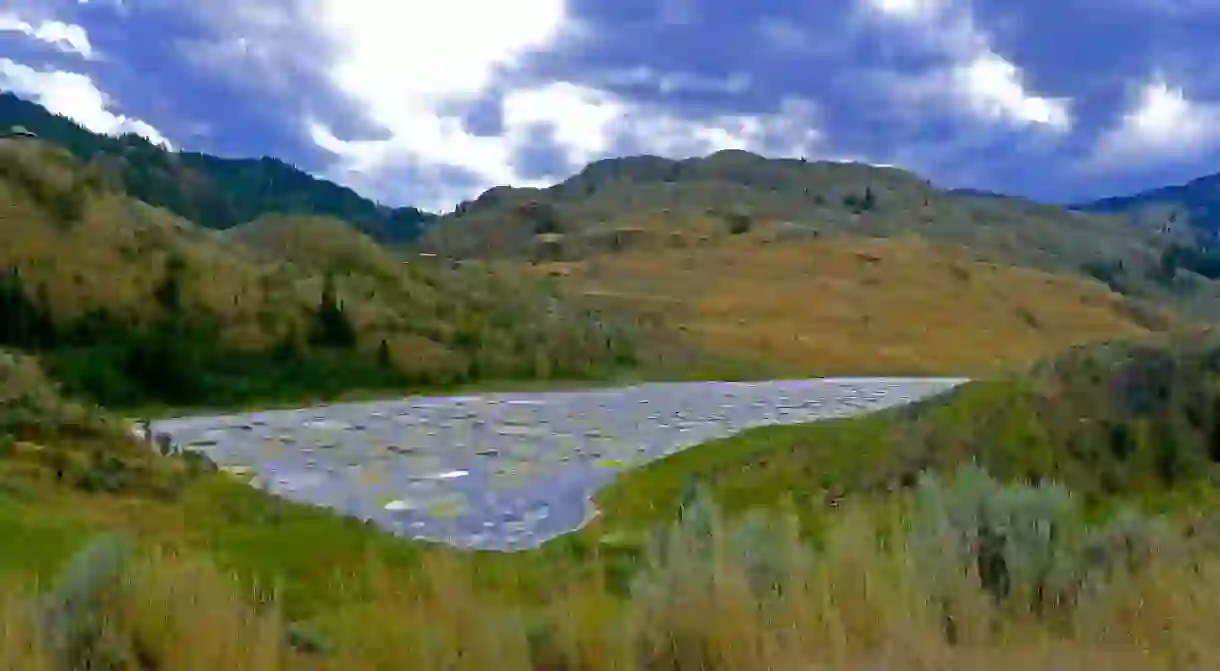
(727, 412)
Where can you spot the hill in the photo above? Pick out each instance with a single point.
(188, 315)
(1191, 211)
(212, 191)
(1194, 205)
(1137, 418)
(857, 306)
(621, 203)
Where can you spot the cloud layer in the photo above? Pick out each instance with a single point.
(430, 103)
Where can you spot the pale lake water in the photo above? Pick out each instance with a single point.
(505, 471)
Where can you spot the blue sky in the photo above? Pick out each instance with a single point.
(430, 103)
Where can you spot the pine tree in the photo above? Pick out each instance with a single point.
(332, 328)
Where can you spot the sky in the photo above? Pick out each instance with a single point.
(431, 103)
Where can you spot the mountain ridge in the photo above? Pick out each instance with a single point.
(213, 191)
(1195, 203)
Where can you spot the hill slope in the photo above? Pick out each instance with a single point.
(852, 306)
(1194, 206)
(133, 304)
(605, 207)
(212, 191)
(831, 198)
(1115, 419)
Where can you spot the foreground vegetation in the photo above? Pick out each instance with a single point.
(959, 575)
(877, 541)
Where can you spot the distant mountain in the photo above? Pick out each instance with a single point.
(652, 203)
(215, 192)
(619, 202)
(1194, 205)
(981, 193)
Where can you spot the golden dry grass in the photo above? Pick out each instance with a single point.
(856, 306)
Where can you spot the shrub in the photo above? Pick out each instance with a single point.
(1010, 540)
(739, 223)
(1129, 544)
(72, 615)
(688, 558)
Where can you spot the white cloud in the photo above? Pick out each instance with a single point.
(909, 10)
(1161, 124)
(75, 96)
(415, 92)
(66, 37)
(976, 80)
(586, 123)
(676, 82)
(990, 88)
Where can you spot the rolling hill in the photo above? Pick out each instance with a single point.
(828, 198)
(650, 202)
(858, 306)
(130, 303)
(212, 191)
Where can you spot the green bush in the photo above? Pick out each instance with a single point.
(689, 555)
(1026, 545)
(1007, 539)
(72, 615)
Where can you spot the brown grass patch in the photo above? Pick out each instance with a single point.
(860, 306)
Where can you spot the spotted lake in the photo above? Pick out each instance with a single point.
(505, 471)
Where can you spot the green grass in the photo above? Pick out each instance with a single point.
(1115, 420)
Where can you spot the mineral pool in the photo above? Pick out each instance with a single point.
(505, 471)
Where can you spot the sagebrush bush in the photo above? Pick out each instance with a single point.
(689, 557)
(73, 614)
(711, 594)
(1011, 540)
(1027, 545)
(1130, 543)
(30, 402)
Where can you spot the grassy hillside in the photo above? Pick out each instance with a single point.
(212, 191)
(605, 207)
(1138, 418)
(945, 573)
(856, 306)
(131, 304)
